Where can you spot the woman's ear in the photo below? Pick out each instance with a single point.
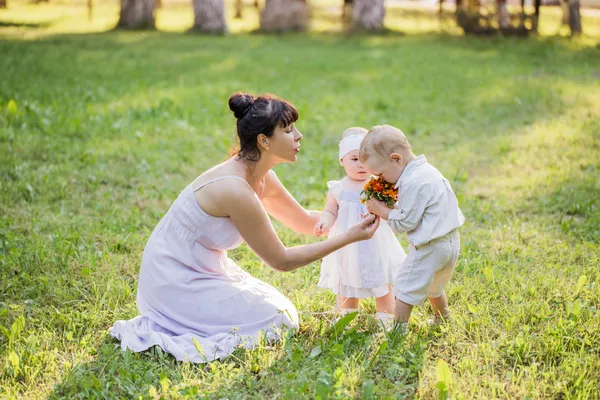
(263, 141)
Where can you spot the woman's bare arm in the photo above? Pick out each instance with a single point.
(285, 208)
(246, 212)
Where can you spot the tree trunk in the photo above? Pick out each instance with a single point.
(564, 6)
(3, 4)
(284, 15)
(574, 17)
(209, 16)
(347, 13)
(536, 17)
(137, 14)
(368, 15)
(90, 4)
(503, 16)
(239, 6)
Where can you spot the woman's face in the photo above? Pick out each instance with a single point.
(285, 143)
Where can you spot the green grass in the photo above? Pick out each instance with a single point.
(99, 133)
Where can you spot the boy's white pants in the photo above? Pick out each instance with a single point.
(427, 269)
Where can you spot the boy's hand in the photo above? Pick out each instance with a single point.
(378, 208)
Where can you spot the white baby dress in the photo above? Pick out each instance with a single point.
(361, 269)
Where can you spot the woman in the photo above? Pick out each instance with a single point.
(194, 301)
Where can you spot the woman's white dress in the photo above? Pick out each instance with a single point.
(194, 301)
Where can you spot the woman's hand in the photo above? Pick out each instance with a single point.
(365, 229)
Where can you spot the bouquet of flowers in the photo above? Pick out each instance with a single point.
(377, 188)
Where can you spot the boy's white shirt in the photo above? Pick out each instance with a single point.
(427, 208)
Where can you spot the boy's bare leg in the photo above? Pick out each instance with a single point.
(403, 311)
(440, 306)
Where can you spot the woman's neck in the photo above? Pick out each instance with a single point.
(257, 170)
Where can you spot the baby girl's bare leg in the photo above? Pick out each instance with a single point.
(385, 303)
(346, 303)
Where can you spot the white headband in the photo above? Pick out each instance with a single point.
(350, 143)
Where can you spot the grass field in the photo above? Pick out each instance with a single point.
(100, 131)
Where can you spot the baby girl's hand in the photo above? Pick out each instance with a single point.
(378, 208)
(321, 227)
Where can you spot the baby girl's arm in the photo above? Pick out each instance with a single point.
(328, 216)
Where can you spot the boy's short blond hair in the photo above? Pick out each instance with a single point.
(383, 140)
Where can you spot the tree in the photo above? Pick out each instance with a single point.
(239, 6)
(368, 15)
(347, 14)
(209, 16)
(3, 4)
(284, 15)
(503, 15)
(137, 14)
(574, 17)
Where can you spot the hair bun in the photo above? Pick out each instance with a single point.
(240, 103)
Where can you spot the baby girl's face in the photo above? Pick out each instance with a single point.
(353, 166)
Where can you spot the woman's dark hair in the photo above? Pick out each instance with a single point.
(256, 115)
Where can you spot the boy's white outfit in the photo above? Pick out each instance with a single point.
(427, 210)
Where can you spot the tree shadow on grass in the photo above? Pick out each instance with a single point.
(32, 25)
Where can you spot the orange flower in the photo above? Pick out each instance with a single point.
(385, 191)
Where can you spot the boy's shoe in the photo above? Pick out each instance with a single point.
(438, 320)
(399, 328)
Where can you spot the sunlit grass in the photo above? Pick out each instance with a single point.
(100, 132)
(177, 16)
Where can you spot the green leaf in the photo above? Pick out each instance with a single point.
(380, 350)
(443, 389)
(581, 282)
(488, 273)
(198, 347)
(11, 107)
(17, 328)
(297, 356)
(164, 383)
(574, 309)
(343, 322)
(13, 358)
(443, 373)
(5, 332)
(323, 388)
(315, 351)
(368, 389)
